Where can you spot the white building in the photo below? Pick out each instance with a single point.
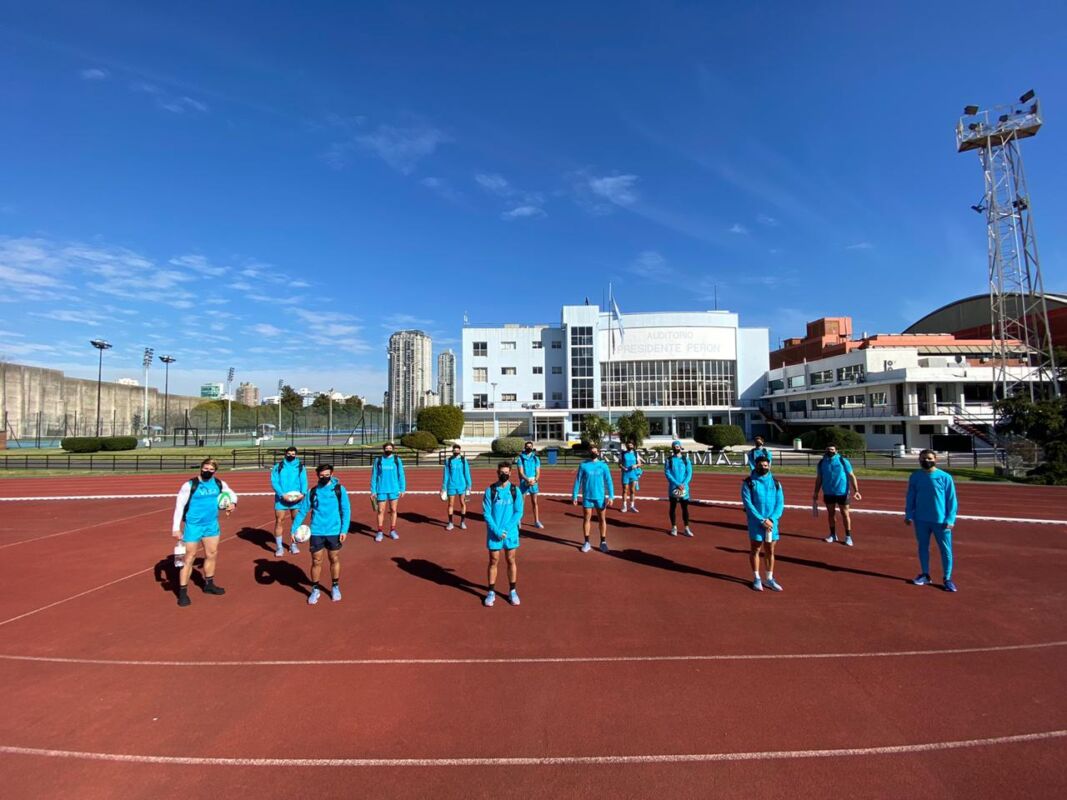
(446, 378)
(410, 377)
(683, 369)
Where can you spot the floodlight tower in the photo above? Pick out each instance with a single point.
(1018, 312)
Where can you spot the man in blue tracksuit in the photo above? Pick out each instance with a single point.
(327, 502)
(679, 471)
(597, 489)
(456, 483)
(197, 509)
(756, 452)
(834, 475)
(502, 509)
(387, 486)
(630, 463)
(286, 478)
(931, 505)
(764, 502)
(529, 464)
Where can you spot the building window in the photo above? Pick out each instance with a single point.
(481, 401)
(850, 373)
(796, 406)
(507, 345)
(776, 385)
(538, 395)
(779, 408)
(898, 430)
(481, 348)
(822, 403)
(508, 397)
(556, 344)
(796, 381)
(507, 370)
(852, 401)
(644, 384)
(481, 375)
(557, 396)
(879, 399)
(822, 376)
(538, 370)
(548, 429)
(926, 430)
(879, 429)
(557, 370)
(537, 344)
(859, 428)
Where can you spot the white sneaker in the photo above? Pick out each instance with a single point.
(586, 547)
(450, 527)
(633, 508)
(463, 526)
(674, 531)
(623, 510)
(687, 532)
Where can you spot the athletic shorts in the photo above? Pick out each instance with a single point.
(316, 543)
(835, 499)
(390, 496)
(284, 505)
(195, 534)
(757, 533)
(509, 542)
(597, 504)
(450, 493)
(528, 488)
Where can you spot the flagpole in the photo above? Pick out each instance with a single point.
(611, 347)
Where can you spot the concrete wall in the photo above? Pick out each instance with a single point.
(26, 390)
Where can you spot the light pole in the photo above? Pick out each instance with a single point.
(168, 360)
(101, 345)
(496, 430)
(147, 362)
(281, 385)
(329, 415)
(229, 400)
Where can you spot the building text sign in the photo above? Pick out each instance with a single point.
(661, 344)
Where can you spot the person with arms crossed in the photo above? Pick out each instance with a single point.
(456, 484)
(529, 464)
(288, 479)
(594, 482)
(197, 509)
(387, 486)
(834, 475)
(502, 509)
(764, 502)
(931, 505)
(630, 462)
(330, 512)
(679, 471)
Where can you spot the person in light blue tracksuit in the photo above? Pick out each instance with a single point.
(387, 486)
(756, 452)
(529, 464)
(630, 463)
(764, 502)
(331, 513)
(287, 476)
(502, 508)
(456, 482)
(197, 511)
(594, 483)
(931, 505)
(679, 472)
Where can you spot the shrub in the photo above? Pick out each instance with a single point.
(633, 428)
(508, 445)
(718, 437)
(594, 429)
(419, 440)
(81, 444)
(112, 444)
(444, 422)
(847, 441)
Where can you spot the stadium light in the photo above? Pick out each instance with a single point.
(229, 400)
(970, 111)
(101, 345)
(168, 360)
(281, 385)
(1027, 96)
(146, 362)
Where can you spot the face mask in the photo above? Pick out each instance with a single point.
(205, 475)
(763, 469)
(388, 452)
(504, 476)
(529, 449)
(324, 481)
(455, 453)
(928, 463)
(290, 457)
(594, 456)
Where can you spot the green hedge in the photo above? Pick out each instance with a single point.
(94, 444)
(508, 445)
(111, 444)
(847, 441)
(444, 422)
(719, 436)
(419, 440)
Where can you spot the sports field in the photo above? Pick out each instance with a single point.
(653, 670)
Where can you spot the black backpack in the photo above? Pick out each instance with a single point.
(280, 464)
(337, 490)
(192, 488)
(493, 488)
(751, 483)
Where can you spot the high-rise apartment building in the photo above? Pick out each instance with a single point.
(446, 378)
(247, 394)
(410, 377)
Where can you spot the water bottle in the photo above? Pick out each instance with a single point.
(179, 555)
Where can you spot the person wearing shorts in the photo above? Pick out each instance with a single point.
(834, 475)
(630, 463)
(594, 483)
(327, 504)
(456, 485)
(387, 486)
(196, 523)
(502, 509)
(678, 470)
(529, 464)
(286, 477)
(764, 502)
(931, 504)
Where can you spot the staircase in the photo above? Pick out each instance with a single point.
(767, 413)
(971, 425)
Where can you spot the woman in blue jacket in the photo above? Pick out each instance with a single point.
(456, 484)
(679, 471)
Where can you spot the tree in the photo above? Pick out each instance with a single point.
(444, 422)
(847, 441)
(719, 436)
(354, 402)
(634, 428)
(291, 401)
(594, 429)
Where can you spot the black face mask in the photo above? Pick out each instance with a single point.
(455, 454)
(290, 457)
(205, 475)
(388, 453)
(763, 469)
(324, 481)
(529, 449)
(504, 476)
(928, 463)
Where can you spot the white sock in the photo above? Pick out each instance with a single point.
(756, 574)
(770, 576)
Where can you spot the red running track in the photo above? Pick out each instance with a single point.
(851, 681)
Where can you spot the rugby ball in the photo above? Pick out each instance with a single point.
(292, 497)
(679, 492)
(302, 534)
(227, 499)
(444, 496)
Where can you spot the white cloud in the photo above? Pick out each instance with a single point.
(523, 211)
(442, 188)
(199, 264)
(860, 246)
(763, 219)
(618, 189)
(493, 183)
(68, 315)
(651, 265)
(738, 228)
(523, 203)
(94, 74)
(265, 329)
(167, 102)
(400, 148)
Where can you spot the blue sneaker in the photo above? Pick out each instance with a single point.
(513, 597)
(773, 585)
(603, 546)
(489, 599)
(394, 535)
(539, 524)
(379, 536)
(293, 548)
(335, 594)
(848, 541)
(757, 585)
(314, 596)
(921, 580)
(280, 551)
(949, 585)
(586, 547)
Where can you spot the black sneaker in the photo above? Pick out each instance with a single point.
(211, 588)
(183, 599)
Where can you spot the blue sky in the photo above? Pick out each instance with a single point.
(277, 187)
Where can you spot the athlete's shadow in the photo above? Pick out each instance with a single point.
(166, 574)
(283, 572)
(361, 529)
(415, 518)
(807, 562)
(653, 560)
(616, 522)
(544, 537)
(259, 537)
(435, 573)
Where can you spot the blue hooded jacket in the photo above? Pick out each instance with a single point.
(763, 498)
(679, 472)
(755, 453)
(456, 476)
(503, 516)
(594, 482)
(834, 471)
(329, 508)
(288, 476)
(387, 476)
(931, 498)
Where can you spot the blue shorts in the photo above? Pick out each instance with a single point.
(316, 543)
(528, 488)
(283, 505)
(598, 504)
(194, 533)
(509, 542)
(629, 478)
(757, 533)
(390, 496)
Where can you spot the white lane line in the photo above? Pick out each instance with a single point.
(644, 498)
(539, 761)
(372, 662)
(83, 528)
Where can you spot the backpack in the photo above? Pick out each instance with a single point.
(492, 492)
(378, 464)
(280, 464)
(192, 488)
(751, 483)
(336, 490)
